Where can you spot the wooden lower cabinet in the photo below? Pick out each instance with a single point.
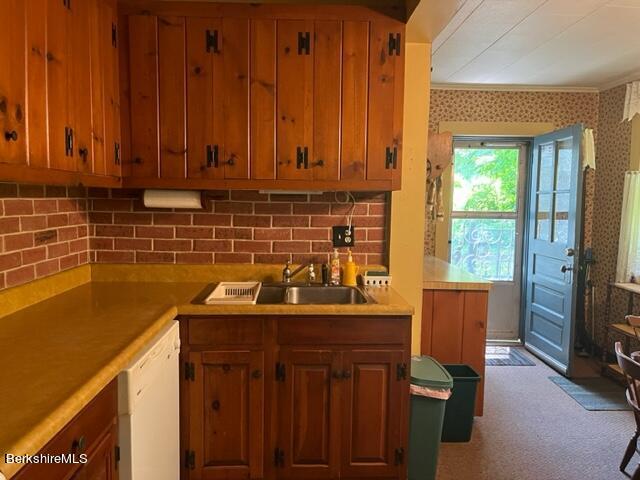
(226, 414)
(94, 433)
(454, 330)
(280, 403)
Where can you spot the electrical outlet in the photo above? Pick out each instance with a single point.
(344, 236)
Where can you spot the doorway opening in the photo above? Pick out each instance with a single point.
(487, 221)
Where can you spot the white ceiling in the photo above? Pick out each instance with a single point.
(559, 43)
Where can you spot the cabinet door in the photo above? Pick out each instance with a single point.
(218, 97)
(143, 89)
(226, 415)
(308, 422)
(171, 97)
(263, 98)
(447, 325)
(13, 140)
(101, 461)
(295, 99)
(325, 161)
(80, 84)
(375, 391)
(355, 80)
(105, 90)
(386, 89)
(59, 100)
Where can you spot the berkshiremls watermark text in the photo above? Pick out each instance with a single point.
(46, 458)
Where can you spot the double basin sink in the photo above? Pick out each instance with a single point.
(301, 294)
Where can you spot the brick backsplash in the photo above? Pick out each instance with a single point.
(47, 229)
(234, 227)
(43, 230)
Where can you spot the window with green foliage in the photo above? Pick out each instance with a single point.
(484, 214)
(485, 180)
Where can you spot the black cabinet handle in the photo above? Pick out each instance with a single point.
(231, 162)
(78, 444)
(304, 43)
(337, 375)
(11, 135)
(346, 374)
(212, 156)
(215, 405)
(84, 153)
(256, 374)
(226, 367)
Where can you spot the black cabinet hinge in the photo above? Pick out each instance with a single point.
(116, 154)
(114, 35)
(302, 157)
(116, 455)
(68, 141)
(394, 44)
(67, 4)
(401, 371)
(212, 156)
(399, 456)
(278, 457)
(189, 371)
(281, 373)
(304, 43)
(189, 459)
(211, 41)
(391, 158)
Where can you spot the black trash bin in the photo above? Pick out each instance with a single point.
(458, 416)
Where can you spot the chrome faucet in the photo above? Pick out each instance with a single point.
(287, 274)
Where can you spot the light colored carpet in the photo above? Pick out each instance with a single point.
(532, 430)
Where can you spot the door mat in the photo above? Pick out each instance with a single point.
(506, 357)
(595, 394)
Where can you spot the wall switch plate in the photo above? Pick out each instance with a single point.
(344, 236)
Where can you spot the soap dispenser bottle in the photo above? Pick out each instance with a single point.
(335, 268)
(350, 272)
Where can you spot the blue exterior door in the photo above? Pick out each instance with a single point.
(553, 238)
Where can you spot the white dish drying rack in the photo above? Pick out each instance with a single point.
(234, 293)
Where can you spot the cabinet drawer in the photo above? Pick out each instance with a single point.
(225, 331)
(80, 435)
(344, 330)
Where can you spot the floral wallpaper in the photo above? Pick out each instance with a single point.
(560, 108)
(612, 160)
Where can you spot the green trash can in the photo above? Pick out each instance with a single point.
(430, 388)
(458, 418)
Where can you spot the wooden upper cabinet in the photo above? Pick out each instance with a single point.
(386, 90)
(230, 96)
(355, 85)
(13, 105)
(295, 99)
(263, 99)
(226, 414)
(218, 97)
(58, 90)
(308, 422)
(309, 65)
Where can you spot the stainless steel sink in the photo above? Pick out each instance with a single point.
(311, 295)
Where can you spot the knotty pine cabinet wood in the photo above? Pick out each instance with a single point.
(62, 57)
(92, 432)
(295, 397)
(454, 330)
(239, 96)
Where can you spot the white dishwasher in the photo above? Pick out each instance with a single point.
(149, 421)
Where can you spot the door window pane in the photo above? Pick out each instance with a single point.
(563, 174)
(543, 216)
(485, 247)
(561, 218)
(485, 179)
(545, 170)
